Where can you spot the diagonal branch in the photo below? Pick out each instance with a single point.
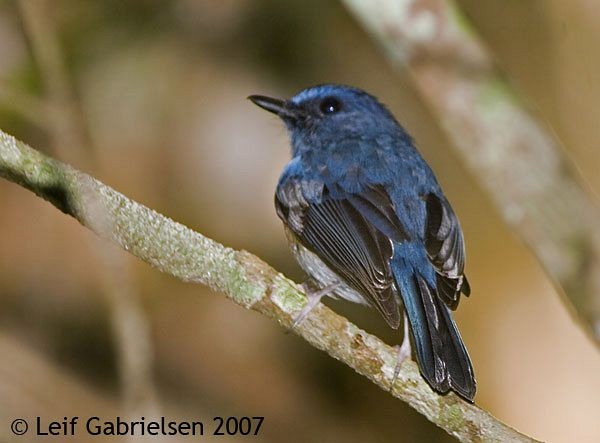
(243, 278)
(533, 184)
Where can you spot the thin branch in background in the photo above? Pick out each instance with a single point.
(71, 140)
(68, 126)
(533, 184)
(243, 278)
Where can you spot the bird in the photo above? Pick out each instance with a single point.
(367, 220)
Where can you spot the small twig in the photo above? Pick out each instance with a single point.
(535, 187)
(243, 278)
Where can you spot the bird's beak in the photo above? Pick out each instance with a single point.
(282, 108)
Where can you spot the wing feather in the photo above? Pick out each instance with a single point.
(352, 234)
(446, 250)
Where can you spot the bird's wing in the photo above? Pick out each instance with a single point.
(446, 250)
(351, 233)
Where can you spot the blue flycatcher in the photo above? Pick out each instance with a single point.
(368, 221)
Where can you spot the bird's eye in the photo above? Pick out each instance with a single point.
(330, 105)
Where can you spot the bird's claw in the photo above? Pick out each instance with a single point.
(314, 297)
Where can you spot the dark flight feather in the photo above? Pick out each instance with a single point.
(443, 359)
(446, 250)
(450, 367)
(351, 234)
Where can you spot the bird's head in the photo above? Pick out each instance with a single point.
(327, 115)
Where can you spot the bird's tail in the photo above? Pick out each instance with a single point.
(441, 354)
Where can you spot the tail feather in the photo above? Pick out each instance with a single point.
(448, 289)
(441, 354)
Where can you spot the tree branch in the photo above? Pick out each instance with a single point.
(242, 277)
(533, 184)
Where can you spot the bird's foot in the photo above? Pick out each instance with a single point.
(404, 352)
(314, 297)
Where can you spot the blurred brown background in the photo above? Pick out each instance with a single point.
(161, 89)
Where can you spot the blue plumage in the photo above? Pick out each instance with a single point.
(366, 217)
